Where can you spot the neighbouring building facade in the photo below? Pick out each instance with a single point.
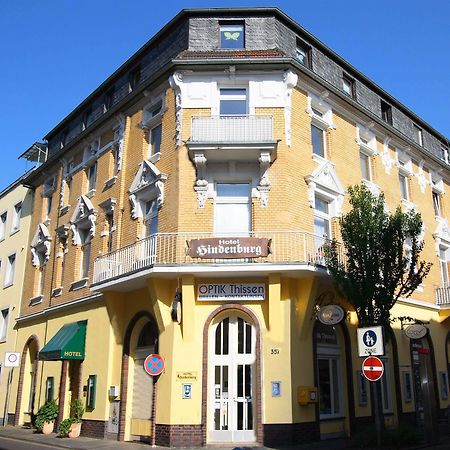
(16, 204)
(182, 211)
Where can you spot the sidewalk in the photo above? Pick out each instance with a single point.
(83, 443)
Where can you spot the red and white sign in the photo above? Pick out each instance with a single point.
(372, 368)
(154, 364)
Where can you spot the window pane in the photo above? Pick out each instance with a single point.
(321, 227)
(336, 405)
(232, 190)
(156, 139)
(321, 205)
(240, 335)
(226, 327)
(365, 168)
(403, 187)
(324, 386)
(233, 107)
(232, 36)
(317, 141)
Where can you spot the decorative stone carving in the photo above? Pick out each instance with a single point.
(40, 246)
(119, 132)
(148, 184)
(386, 159)
(175, 81)
(442, 234)
(201, 184)
(421, 178)
(290, 81)
(108, 205)
(83, 218)
(264, 182)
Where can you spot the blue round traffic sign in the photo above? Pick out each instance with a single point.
(370, 338)
(154, 364)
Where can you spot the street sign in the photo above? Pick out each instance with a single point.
(373, 368)
(12, 359)
(370, 341)
(154, 364)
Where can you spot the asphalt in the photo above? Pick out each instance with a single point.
(28, 436)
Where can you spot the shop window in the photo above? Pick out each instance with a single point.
(49, 389)
(91, 391)
(232, 36)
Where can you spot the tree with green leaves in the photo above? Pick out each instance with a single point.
(378, 265)
(381, 256)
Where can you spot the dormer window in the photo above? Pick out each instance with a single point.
(303, 53)
(418, 134)
(348, 85)
(232, 36)
(386, 112)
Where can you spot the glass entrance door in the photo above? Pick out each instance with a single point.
(231, 381)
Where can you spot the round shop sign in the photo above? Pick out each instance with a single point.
(154, 364)
(330, 314)
(416, 331)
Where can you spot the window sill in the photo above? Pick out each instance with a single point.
(319, 159)
(36, 300)
(56, 292)
(64, 210)
(90, 193)
(8, 284)
(110, 182)
(16, 230)
(155, 158)
(80, 284)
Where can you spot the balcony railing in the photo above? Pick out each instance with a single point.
(443, 295)
(232, 129)
(290, 247)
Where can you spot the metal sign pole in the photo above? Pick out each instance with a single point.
(8, 392)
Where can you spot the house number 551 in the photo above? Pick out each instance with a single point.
(274, 351)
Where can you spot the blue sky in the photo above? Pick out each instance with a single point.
(56, 52)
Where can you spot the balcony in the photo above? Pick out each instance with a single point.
(443, 295)
(289, 251)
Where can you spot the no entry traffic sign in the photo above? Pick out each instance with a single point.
(372, 368)
(154, 364)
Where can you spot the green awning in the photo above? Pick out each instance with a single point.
(67, 343)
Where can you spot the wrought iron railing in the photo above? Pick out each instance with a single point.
(443, 295)
(286, 247)
(229, 129)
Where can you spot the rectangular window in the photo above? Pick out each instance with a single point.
(386, 112)
(48, 206)
(407, 387)
(322, 227)
(348, 85)
(232, 36)
(91, 391)
(85, 253)
(17, 212)
(418, 135)
(233, 102)
(3, 219)
(135, 78)
(403, 182)
(329, 393)
(108, 100)
(444, 153)
(443, 264)
(49, 389)
(437, 204)
(303, 53)
(4, 314)
(155, 140)
(92, 176)
(364, 161)
(10, 269)
(151, 218)
(318, 141)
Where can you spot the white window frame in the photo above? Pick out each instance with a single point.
(4, 322)
(10, 270)
(91, 177)
(443, 264)
(150, 216)
(3, 225)
(418, 134)
(437, 203)
(403, 181)
(85, 252)
(322, 215)
(152, 118)
(15, 222)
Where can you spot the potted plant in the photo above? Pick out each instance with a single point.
(71, 427)
(46, 416)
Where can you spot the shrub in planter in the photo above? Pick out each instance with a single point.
(71, 427)
(46, 416)
(65, 426)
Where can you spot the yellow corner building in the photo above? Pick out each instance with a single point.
(181, 212)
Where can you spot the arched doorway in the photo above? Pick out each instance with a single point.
(231, 379)
(425, 389)
(26, 393)
(334, 380)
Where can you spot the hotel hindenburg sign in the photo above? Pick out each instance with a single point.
(229, 248)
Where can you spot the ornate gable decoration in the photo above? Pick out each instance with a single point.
(148, 184)
(40, 246)
(325, 180)
(83, 218)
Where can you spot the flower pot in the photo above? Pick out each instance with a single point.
(48, 427)
(75, 430)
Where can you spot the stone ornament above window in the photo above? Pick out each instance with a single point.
(320, 111)
(325, 181)
(40, 246)
(83, 218)
(441, 234)
(148, 184)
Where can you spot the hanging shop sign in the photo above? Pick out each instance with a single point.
(370, 341)
(331, 314)
(229, 248)
(373, 368)
(154, 364)
(416, 331)
(231, 291)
